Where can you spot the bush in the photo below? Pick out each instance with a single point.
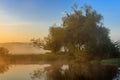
(3, 51)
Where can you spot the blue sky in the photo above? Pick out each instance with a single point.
(21, 20)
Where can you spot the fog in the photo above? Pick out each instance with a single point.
(22, 48)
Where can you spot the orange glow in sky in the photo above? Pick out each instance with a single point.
(22, 20)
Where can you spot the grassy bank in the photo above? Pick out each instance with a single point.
(112, 61)
(50, 57)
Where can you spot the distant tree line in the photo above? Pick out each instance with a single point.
(82, 32)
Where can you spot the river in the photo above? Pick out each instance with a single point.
(42, 71)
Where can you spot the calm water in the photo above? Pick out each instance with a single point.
(56, 72)
(20, 72)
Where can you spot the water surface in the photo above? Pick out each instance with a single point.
(20, 72)
(58, 72)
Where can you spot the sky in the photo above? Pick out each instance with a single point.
(22, 20)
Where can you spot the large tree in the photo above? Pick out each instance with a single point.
(82, 31)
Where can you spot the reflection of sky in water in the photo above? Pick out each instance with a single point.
(24, 72)
(20, 72)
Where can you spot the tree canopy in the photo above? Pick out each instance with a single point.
(81, 31)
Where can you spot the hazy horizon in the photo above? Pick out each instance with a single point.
(22, 20)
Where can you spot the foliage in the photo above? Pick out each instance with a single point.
(37, 43)
(82, 31)
(54, 40)
(3, 51)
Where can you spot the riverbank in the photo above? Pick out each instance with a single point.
(50, 57)
(112, 61)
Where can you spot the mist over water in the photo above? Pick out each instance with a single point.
(22, 48)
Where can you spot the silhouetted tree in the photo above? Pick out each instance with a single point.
(82, 31)
(3, 51)
(38, 43)
(54, 41)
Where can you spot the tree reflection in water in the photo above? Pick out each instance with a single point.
(3, 65)
(77, 72)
